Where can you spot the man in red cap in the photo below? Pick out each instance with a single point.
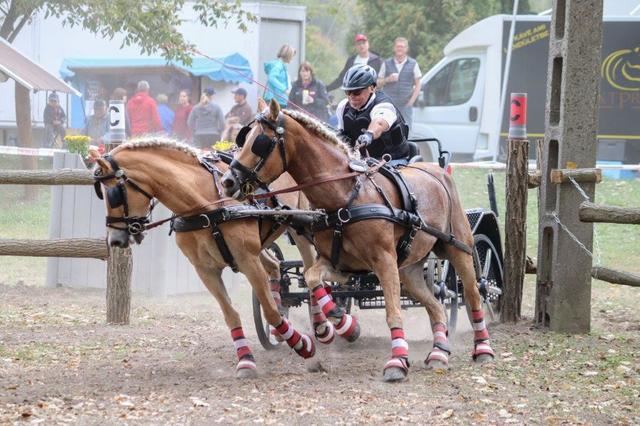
(364, 56)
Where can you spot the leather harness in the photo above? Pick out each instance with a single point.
(406, 216)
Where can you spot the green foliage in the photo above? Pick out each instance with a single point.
(153, 25)
(323, 54)
(428, 24)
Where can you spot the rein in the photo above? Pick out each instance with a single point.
(371, 171)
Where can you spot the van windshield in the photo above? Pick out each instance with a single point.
(453, 84)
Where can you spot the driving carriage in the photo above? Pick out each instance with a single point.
(364, 291)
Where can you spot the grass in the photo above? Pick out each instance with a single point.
(616, 244)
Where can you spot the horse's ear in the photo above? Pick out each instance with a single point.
(262, 105)
(95, 155)
(274, 110)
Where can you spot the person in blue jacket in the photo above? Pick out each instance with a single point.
(278, 81)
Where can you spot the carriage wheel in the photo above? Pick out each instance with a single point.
(267, 340)
(490, 267)
(437, 271)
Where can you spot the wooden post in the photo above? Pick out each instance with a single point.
(63, 247)
(119, 268)
(25, 136)
(515, 228)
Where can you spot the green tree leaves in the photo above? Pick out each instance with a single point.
(153, 25)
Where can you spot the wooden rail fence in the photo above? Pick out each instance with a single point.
(119, 260)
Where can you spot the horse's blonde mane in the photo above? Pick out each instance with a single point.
(321, 130)
(145, 142)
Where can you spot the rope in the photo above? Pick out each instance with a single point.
(594, 257)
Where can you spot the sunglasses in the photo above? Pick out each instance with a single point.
(353, 92)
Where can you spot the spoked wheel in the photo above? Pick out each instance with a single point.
(441, 279)
(491, 275)
(267, 340)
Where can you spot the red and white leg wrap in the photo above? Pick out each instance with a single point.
(440, 351)
(274, 286)
(245, 357)
(301, 343)
(399, 351)
(323, 329)
(345, 324)
(480, 335)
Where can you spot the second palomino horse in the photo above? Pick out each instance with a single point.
(369, 226)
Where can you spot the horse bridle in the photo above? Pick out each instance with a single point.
(262, 147)
(117, 197)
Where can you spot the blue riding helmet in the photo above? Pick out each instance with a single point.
(358, 77)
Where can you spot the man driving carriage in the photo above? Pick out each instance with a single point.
(368, 118)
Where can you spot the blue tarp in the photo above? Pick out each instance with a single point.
(231, 68)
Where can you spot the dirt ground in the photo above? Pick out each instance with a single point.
(60, 364)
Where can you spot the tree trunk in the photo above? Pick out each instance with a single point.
(119, 267)
(515, 229)
(23, 121)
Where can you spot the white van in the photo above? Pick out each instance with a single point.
(460, 98)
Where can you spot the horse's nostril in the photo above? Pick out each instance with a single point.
(227, 183)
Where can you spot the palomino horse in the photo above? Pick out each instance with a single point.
(138, 171)
(288, 141)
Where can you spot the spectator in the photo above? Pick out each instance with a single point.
(143, 112)
(97, 125)
(180, 128)
(206, 121)
(166, 113)
(278, 82)
(310, 93)
(120, 94)
(241, 109)
(364, 56)
(400, 77)
(54, 118)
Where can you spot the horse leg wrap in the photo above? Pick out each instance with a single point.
(480, 335)
(399, 351)
(245, 357)
(346, 325)
(323, 329)
(274, 286)
(440, 351)
(301, 343)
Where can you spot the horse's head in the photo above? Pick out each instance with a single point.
(128, 203)
(263, 153)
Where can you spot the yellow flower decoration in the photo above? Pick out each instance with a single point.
(223, 146)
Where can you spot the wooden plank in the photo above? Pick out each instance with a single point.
(590, 212)
(81, 212)
(579, 175)
(66, 226)
(615, 277)
(67, 248)
(63, 176)
(55, 220)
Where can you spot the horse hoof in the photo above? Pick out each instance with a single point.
(394, 374)
(354, 335)
(483, 358)
(246, 373)
(437, 365)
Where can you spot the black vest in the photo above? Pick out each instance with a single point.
(392, 142)
(400, 91)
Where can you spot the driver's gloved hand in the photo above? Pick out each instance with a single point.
(365, 139)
